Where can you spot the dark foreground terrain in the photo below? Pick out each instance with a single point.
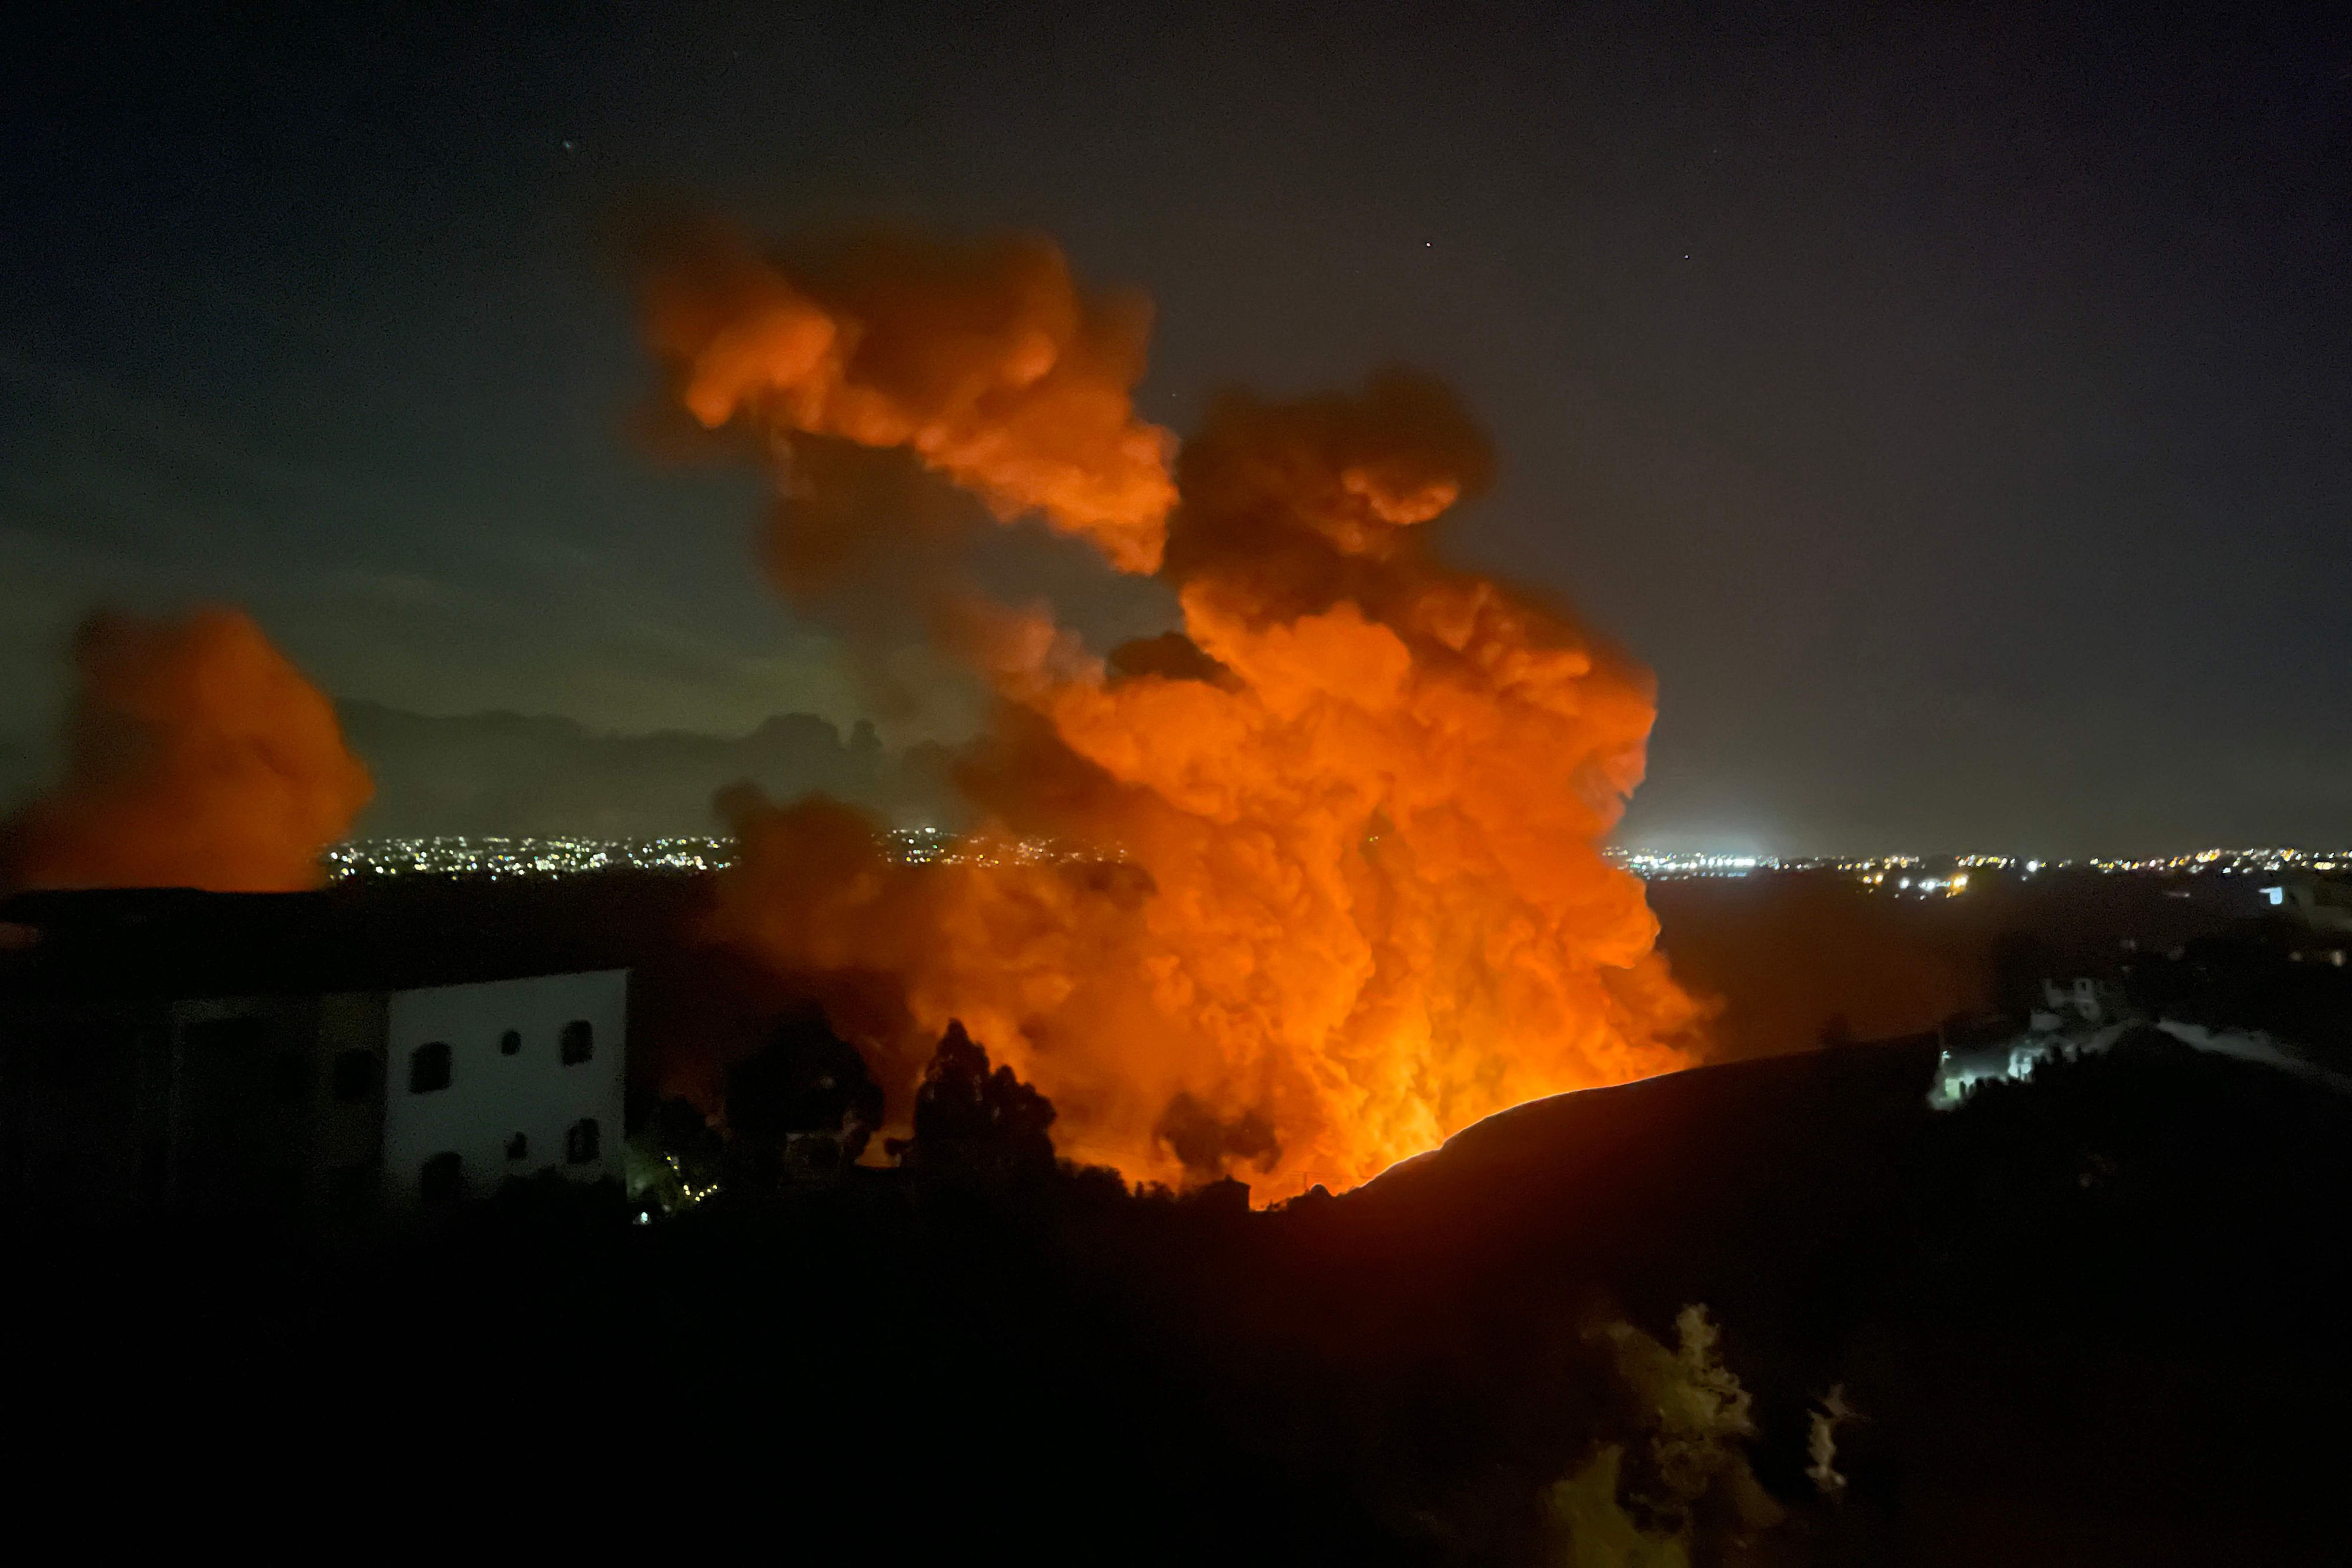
(2087, 1320)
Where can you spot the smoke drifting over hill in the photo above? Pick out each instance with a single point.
(1334, 888)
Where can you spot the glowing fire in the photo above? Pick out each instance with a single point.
(1342, 894)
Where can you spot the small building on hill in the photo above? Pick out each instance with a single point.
(2320, 904)
(304, 1056)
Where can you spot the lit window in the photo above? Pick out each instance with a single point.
(581, 1141)
(579, 1042)
(511, 1042)
(428, 1067)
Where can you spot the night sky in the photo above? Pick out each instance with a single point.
(1952, 403)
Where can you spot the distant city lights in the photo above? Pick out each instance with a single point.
(1909, 875)
(688, 856)
(524, 857)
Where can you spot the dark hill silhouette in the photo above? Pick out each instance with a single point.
(517, 774)
(2069, 1308)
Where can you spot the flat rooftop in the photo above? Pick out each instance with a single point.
(171, 942)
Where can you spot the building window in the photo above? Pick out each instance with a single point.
(518, 1148)
(511, 1042)
(579, 1042)
(286, 1078)
(359, 1075)
(428, 1068)
(581, 1142)
(442, 1179)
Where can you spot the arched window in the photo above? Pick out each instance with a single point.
(511, 1042)
(518, 1148)
(582, 1142)
(428, 1068)
(579, 1042)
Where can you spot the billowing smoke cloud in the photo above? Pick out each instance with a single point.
(1326, 884)
(197, 756)
(986, 363)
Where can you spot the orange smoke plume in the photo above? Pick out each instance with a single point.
(197, 756)
(1324, 883)
(987, 363)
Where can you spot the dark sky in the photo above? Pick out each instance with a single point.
(1952, 402)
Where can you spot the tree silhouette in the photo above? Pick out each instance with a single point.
(806, 1089)
(675, 1156)
(971, 1119)
(2020, 962)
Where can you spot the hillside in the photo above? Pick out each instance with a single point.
(2076, 1312)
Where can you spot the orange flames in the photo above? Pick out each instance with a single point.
(1328, 885)
(198, 756)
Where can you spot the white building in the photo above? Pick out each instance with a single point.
(501, 1079)
(279, 1053)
